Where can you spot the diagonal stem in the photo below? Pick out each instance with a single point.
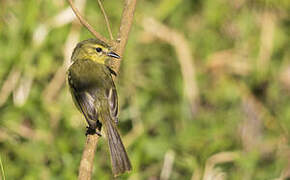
(86, 24)
(106, 19)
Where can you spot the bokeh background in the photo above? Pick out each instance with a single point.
(204, 89)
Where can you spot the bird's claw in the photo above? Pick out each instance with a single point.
(91, 131)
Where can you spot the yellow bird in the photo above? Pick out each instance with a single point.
(94, 93)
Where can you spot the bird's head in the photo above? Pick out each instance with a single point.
(95, 50)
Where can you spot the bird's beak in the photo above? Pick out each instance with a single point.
(113, 55)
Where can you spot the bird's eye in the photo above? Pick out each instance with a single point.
(98, 49)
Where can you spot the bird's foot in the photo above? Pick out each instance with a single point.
(99, 125)
(91, 131)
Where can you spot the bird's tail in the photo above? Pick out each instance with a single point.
(119, 158)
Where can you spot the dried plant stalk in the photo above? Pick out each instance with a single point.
(86, 24)
(184, 56)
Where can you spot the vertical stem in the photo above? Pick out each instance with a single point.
(125, 27)
(86, 165)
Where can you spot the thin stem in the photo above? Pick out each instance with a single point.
(106, 19)
(86, 24)
(125, 27)
(87, 161)
(2, 169)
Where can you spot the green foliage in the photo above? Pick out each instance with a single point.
(42, 137)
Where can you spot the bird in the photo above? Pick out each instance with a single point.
(94, 94)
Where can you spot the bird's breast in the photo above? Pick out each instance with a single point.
(86, 74)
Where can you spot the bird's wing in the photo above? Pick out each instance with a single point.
(87, 97)
(113, 102)
(89, 105)
(86, 104)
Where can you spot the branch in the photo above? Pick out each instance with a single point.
(125, 27)
(86, 165)
(86, 24)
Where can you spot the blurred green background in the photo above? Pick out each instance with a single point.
(206, 95)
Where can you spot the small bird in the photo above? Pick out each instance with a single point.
(94, 94)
